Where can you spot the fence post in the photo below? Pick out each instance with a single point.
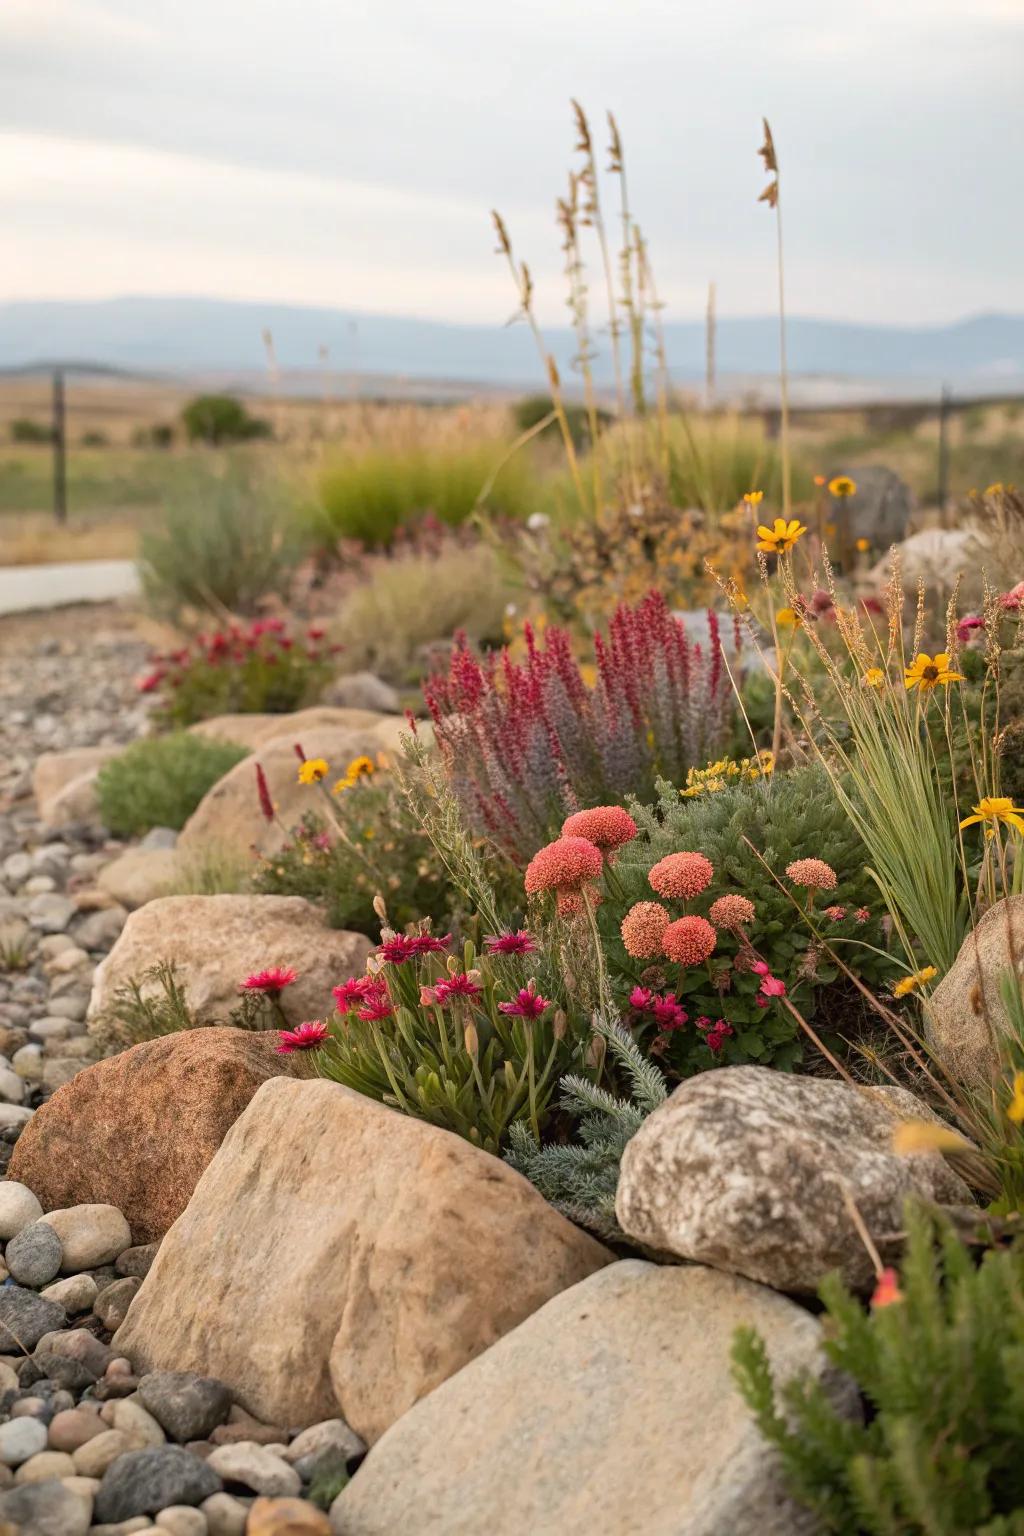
(945, 402)
(60, 475)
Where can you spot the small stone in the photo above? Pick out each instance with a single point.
(101, 930)
(13, 1120)
(26, 1317)
(73, 1427)
(52, 1029)
(28, 1063)
(182, 1520)
(69, 959)
(186, 1405)
(94, 1457)
(332, 1434)
(45, 1465)
(12, 1087)
(122, 1527)
(255, 1467)
(45, 1509)
(69, 1374)
(119, 1366)
(75, 1294)
(51, 912)
(143, 1482)
(74, 1006)
(20, 1439)
(225, 1515)
(112, 1303)
(8, 1378)
(34, 1256)
(90, 1235)
(137, 1261)
(18, 1208)
(128, 1415)
(286, 1517)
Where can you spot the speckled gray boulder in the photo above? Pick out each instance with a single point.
(144, 1482)
(25, 1317)
(751, 1170)
(34, 1256)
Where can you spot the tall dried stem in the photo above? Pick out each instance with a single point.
(770, 195)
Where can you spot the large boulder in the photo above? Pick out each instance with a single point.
(139, 875)
(611, 1409)
(340, 1257)
(228, 819)
(54, 774)
(362, 690)
(137, 1130)
(880, 508)
(965, 1016)
(254, 731)
(753, 1171)
(216, 941)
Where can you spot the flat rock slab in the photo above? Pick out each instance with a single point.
(338, 1256)
(753, 1170)
(136, 1131)
(610, 1412)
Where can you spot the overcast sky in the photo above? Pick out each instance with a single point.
(347, 152)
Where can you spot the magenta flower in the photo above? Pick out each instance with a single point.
(518, 943)
(307, 1037)
(462, 984)
(376, 1006)
(272, 981)
(527, 1005)
(771, 986)
(356, 990)
(668, 1014)
(641, 997)
(399, 949)
(430, 944)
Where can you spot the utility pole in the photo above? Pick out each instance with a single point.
(945, 401)
(60, 469)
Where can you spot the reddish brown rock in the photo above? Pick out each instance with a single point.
(137, 1130)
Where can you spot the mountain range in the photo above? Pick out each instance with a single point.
(981, 354)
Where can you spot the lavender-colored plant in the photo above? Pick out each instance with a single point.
(525, 744)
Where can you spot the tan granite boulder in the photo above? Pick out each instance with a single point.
(752, 1170)
(253, 731)
(139, 875)
(965, 1014)
(137, 1130)
(216, 941)
(54, 772)
(610, 1412)
(342, 1258)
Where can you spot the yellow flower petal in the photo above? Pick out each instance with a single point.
(926, 1136)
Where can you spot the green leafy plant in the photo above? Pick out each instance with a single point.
(261, 668)
(159, 781)
(580, 1178)
(941, 1449)
(225, 539)
(220, 419)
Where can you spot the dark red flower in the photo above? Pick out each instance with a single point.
(307, 1037)
(518, 943)
(399, 949)
(668, 1013)
(263, 790)
(462, 984)
(299, 753)
(272, 981)
(430, 943)
(151, 681)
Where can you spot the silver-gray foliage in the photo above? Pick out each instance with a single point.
(580, 1179)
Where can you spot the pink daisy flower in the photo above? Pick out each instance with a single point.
(272, 981)
(307, 1037)
(518, 943)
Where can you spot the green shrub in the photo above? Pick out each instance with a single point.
(24, 430)
(941, 1452)
(714, 461)
(260, 669)
(370, 494)
(750, 832)
(532, 410)
(224, 540)
(409, 601)
(217, 419)
(159, 781)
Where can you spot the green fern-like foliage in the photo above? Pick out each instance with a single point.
(581, 1179)
(941, 1451)
(751, 831)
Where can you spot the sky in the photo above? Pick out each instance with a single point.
(347, 152)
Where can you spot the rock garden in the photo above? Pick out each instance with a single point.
(520, 1027)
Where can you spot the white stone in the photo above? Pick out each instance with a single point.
(75, 1294)
(257, 1468)
(18, 1208)
(182, 1520)
(225, 1515)
(20, 1439)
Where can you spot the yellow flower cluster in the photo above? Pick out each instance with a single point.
(915, 980)
(358, 768)
(312, 770)
(727, 770)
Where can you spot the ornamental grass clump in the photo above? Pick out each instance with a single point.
(525, 744)
(936, 1358)
(265, 667)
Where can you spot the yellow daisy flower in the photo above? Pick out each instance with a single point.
(912, 982)
(874, 677)
(753, 498)
(842, 486)
(926, 672)
(995, 809)
(312, 770)
(359, 767)
(787, 618)
(1016, 1109)
(780, 537)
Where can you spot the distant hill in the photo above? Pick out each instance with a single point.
(193, 335)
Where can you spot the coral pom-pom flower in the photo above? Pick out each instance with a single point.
(273, 980)
(565, 864)
(681, 875)
(781, 536)
(312, 770)
(927, 672)
(643, 928)
(308, 1037)
(992, 810)
(518, 943)
(812, 874)
(731, 911)
(606, 826)
(689, 940)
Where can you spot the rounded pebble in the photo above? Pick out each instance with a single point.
(18, 1208)
(45, 1465)
(34, 1256)
(21, 1438)
(225, 1515)
(182, 1520)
